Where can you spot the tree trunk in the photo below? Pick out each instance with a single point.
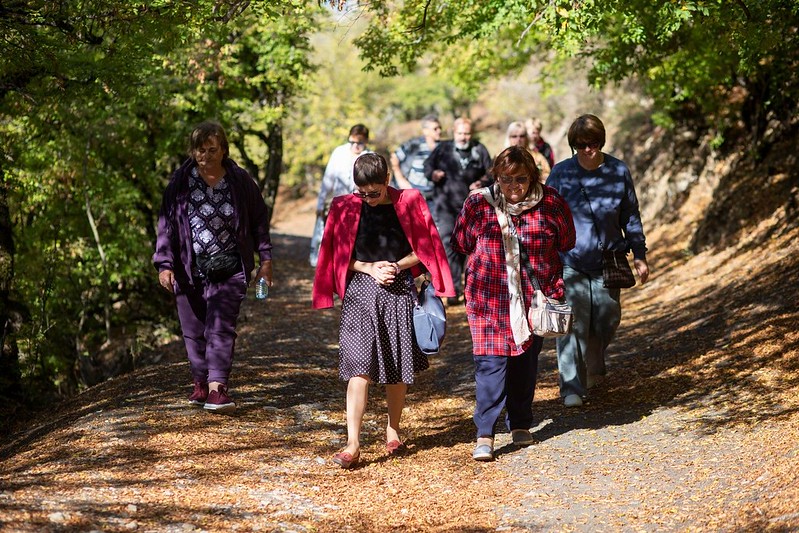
(273, 139)
(274, 166)
(10, 377)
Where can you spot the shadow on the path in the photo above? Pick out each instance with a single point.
(287, 360)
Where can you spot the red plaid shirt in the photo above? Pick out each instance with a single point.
(544, 230)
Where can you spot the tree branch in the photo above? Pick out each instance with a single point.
(235, 9)
(422, 24)
(536, 19)
(746, 9)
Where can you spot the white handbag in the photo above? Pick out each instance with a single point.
(549, 317)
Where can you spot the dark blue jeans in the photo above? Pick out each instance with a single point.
(505, 382)
(208, 315)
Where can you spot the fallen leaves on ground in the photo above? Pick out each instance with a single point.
(695, 428)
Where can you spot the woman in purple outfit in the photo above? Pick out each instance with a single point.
(213, 220)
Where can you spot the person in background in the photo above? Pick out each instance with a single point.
(337, 180)
(457, 167)
(601, 195)
(516, 215)
(213, 219)
(376, 241)
(407, 162)
(517, 136)
(537, 143)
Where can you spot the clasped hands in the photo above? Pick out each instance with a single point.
(384, 272)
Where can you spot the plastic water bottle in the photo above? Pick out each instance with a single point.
(261, 289)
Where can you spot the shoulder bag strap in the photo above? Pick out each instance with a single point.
(526, 262)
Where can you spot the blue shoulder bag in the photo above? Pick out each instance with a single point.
(429, 319)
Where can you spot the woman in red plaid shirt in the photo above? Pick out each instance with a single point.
(517, 210)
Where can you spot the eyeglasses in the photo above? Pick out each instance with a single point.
(509, 180)
(364, 195)
(519, 136)
(359, 144)
(583, 146)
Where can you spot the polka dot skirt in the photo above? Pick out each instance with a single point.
(376, 333)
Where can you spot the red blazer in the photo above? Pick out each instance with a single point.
(332, 268)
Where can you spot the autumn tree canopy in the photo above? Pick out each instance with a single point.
(700, 55)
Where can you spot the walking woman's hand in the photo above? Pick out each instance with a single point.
(166, 278)
(642, 268)
(265, 271)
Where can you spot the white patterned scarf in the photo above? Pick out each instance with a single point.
(518, 313)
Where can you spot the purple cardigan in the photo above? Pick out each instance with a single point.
(173, 247)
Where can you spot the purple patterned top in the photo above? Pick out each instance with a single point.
(211, 218)
(174, 248)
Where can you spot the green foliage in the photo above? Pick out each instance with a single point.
(245, 75)
(96, 102)
(684, 53)
(471, 41)
(341, 93)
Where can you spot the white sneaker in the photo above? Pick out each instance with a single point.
(484, 451)
(572, 400)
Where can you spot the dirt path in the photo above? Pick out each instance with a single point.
(694, 430)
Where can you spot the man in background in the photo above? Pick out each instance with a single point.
(407, 162)
(336, 181)
(456, 167)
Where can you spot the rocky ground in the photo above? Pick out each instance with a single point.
(695, 428)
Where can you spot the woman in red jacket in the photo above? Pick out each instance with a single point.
(375, 242)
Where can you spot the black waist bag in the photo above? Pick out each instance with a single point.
(219, 267)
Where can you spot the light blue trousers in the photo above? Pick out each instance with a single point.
(597, 313)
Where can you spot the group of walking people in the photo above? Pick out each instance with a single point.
(477, 228)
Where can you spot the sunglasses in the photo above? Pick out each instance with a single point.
(364, 195)
(583, 146)
(509, 180)
(357, 143)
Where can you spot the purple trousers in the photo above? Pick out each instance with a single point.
(508, 382)
(208, 315)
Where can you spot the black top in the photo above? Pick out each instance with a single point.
(380, 236)
(461, 168)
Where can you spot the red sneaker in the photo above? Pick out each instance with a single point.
(200, 393)
(219, 402)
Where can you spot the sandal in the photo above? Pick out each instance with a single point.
(347, 460)
(395, 447)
